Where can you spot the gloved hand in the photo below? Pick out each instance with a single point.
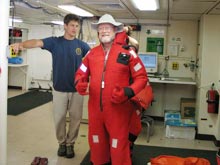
(81, 86)
(120, 95)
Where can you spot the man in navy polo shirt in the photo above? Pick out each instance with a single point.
(67, 53)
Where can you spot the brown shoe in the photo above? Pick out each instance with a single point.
(36, 161)
(43, 161)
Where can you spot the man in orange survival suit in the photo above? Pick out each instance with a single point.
(109, 68)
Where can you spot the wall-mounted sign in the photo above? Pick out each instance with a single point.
(155, 44)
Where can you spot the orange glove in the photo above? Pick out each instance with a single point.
(81, 86)
(120, 95)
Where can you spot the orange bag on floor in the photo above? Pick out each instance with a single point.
(175, 160)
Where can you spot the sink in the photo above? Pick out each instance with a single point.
(154, 78)
(169, 79)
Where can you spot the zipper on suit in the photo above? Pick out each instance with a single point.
(103, 78)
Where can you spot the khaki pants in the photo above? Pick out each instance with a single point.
(63, 103)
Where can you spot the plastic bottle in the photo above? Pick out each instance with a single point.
(159, 47)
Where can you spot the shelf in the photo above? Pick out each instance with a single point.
(18, 73)
(17, 65)
(179, 80)
(15, 38)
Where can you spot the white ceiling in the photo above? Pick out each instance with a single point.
(41, 11)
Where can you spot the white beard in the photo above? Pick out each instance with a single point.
(106, 39)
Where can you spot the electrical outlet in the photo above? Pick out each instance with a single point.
(175, 66)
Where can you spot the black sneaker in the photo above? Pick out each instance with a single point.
(69, 152)
(61, 150)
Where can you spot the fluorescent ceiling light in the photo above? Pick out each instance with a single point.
(11, 21)
(76, 10)
(57, 22)
(15, 20)
(146, 4)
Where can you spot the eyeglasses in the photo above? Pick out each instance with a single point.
(107, 29)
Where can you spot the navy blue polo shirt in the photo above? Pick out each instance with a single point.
(66, 57)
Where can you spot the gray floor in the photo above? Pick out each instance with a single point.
(32, 134)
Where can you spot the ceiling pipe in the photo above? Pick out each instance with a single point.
(83, 6)
(168, 12)
(213, 7)
(129, 9)
(52, 7)
(168, 24)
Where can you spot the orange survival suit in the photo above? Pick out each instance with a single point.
(109, 117)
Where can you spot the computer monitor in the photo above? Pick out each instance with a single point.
(149, 60)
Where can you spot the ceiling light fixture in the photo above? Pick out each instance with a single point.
(76, 10)
(11, 21)
(145, 5)
(57, 22)
(15, 20)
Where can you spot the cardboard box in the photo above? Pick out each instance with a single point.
(187, 108)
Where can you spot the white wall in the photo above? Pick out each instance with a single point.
(40, 61)
(208, 73)
(186, 31)
(40, 64)
(184, 34)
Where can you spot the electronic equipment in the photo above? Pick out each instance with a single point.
(150, 61)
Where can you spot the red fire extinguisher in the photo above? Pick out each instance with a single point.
(212, 100)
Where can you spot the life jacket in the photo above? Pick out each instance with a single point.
(176, 160)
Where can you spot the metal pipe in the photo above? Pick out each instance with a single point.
(129, 10)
